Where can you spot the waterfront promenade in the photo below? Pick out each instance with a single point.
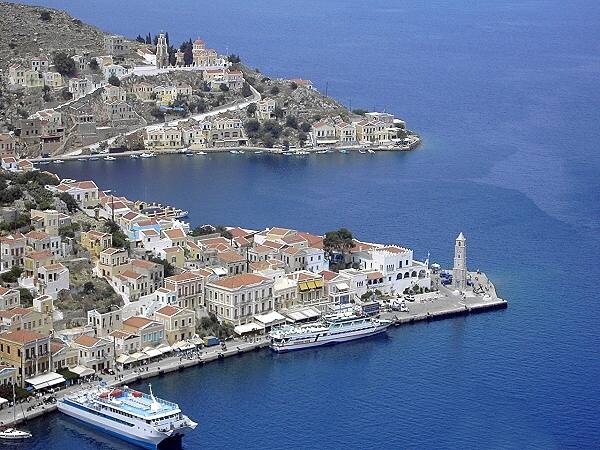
(436, 305)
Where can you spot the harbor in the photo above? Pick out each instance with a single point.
(426, 307)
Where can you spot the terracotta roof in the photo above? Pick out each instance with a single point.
(185, 276)
(3, 290)
(328, 275)
(41, 254)
(37, 235)
(294, 239)
(131, 274)
(169, 310)
(239, 232)
(374, 275)
(137, 322)
(172, 250)
(120, 334)
(21, 336)
(272, 244)
(231, 257)
(55, 266)
(238, 281)
(394, 249)
(16, 311)
(149, 232)
(174, 233)
(143, 264)
(291, 250)
(86, 341)
(130, 215)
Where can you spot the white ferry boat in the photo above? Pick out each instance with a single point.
(330, 330)
(133, 416)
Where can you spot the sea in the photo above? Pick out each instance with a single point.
(506, 96)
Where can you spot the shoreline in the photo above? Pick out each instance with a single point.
(218, 150)
(173, 364)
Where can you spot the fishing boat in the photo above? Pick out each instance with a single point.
(138, 418)
(12, 434)
(330, 330)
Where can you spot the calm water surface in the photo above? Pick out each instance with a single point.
(506, 96)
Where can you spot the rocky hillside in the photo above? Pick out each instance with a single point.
(30, 30)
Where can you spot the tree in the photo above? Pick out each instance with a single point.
(294, 85)
(273, 128)
(246, 91)
(46, 16)
(338, 241)
(140, 39)
(12, 276)
(360, 111)
(274, 90)
(64, 64)
(66, 95)
(69, 201)
(251, 109)
(94, 66)
(302, 137)
(88, 288)
(223, 87)
(234, 59)
(278, 112)
(291, 122)
(305, 127)
(203, 230)
(149, 39)
(252, 127)
(114, 80)
(26, 297)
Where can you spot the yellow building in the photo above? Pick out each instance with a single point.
(112, 261)
(180, 323)
(19, 318)
(95, 242)
(174, 255)
(26, 351)
(33, 261)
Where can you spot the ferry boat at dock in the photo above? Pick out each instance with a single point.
(330, 330)
(133, 416)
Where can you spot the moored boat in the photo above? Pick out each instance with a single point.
(330, 330)
(130, 415)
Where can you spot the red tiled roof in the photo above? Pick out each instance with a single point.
(237, 281)
(168, 310)
(86, 341)
(137, 322)
(21, 336)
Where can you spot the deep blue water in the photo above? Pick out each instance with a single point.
(505, 95)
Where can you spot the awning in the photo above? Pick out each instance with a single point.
(220, 271)
(152, 352)
(45, 380)
(82, 371)
(197, 341)
(342, 287)
(270, 318)
(125, 359)
(311, 313)
(139, 356)
(296, 316)
(247, 328)
(183, 345)
(3, 401)
(163, 348)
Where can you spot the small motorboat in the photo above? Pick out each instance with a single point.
(93, 158)
(58, 161)
(233, 152)
(12, 434)
(189, 154)
(371, 151)
(258, 152)
(110, 158)
(241, 152)
(134, 156)
(362, 151)
(147, 155)
(201, 153)
(81, 159)
(343, 151)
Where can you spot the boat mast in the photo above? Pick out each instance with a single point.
(14, 404)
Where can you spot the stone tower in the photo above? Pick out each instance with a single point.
(162, 52)
(459, 271)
